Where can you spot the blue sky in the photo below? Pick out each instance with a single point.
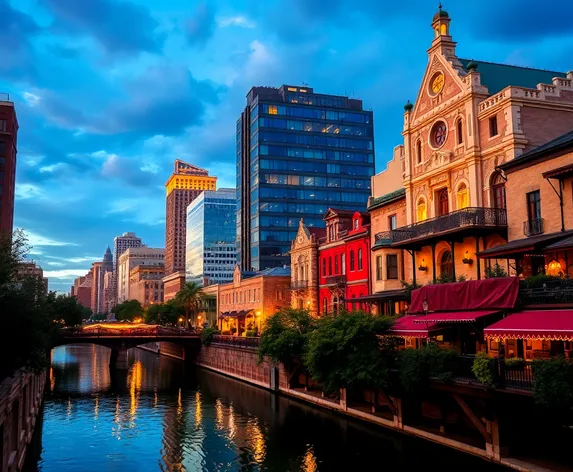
(110, 92)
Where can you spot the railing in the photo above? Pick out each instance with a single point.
(299, 285)
(384, 238)
(236, 341)
(550, 292)
(124, 332)
(502, 376)
(471, 216)
(533, 227)
(335, 280)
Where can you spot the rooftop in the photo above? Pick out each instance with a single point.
(388, 198)
(561, 143)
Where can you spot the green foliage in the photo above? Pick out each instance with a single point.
(538, 280)
(66, 309)
(190, 298)
(409, 288)
(284, 336)
(346, 351)
(98, 317)
(514, 363)
(207, 335)
(495, 271)
(163, 313)
(482, 369)
(251, 333)
(128, 310)
(416, 366)
(553, 383)
(444, 278)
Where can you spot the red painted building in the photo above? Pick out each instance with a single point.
(8, 141)
(344, 260)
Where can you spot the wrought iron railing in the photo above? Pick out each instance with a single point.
(521, 378)
(236, 341)
(129, 332)
(335, 279)
(533, 227)
(384, 238)
(549, 292)
(471, 216)
(299, 285)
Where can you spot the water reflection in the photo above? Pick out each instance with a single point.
(156, 417)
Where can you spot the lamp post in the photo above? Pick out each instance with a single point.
(425, 308)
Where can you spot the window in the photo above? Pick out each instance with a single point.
(421, 210)
(534, 206)
(378, 267)
(273, 110)
(351, 261)
(419, 151)
(446, 264)
(392, 222)
(498, 191)
(438, 134)
(462, 197)
(335, 265)
(324, 267)
(342, 264)
(356, 223)
(391, 266)
(325, 305)
(460, 131)
(3, 125)
(493, 126)
(360, 259)
(443, 206)
(330, 266)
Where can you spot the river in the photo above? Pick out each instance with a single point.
(158, 417)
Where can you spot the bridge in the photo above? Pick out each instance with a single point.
(121, 337)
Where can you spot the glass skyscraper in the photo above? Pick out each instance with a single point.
(210, 254)
(298, 153)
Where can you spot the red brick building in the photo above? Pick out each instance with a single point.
(344, 260)
(8, 146)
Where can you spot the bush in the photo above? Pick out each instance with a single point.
(482, 369)
(495, 271)
(418, 365)
(553, 383)
(207, 335)
(514, 363)
(251, 333)
(538, 280)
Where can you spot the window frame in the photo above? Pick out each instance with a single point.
(390, 268)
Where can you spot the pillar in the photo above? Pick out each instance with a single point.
(398, 417)
(343, 403)
(492, 447)
(118, 359)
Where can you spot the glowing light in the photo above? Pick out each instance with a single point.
(180, 320)
(309, 463)
(96, 408)
(220, 416)
(198, 409)
(554, 268)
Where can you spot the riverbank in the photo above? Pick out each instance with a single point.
(21, 398)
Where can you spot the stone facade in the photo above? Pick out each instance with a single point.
(132, 257)
(172, 284)
(146, 284)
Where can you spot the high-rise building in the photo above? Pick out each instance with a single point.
(184, 185)
(298, 153)
(97, 286)
(8, 148)
(82, 289)
(132, 257)
(120, 245)
(211, 231)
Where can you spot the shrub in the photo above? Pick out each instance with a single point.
(251, 333)
(482, 369)
(514, 363)
(495, 271)
(539, 279)
(553, 383)
(418, 365)
(207, 335)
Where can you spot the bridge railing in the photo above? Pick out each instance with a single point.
(123, 332)
(236, 341)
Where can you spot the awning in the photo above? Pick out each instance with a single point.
(518, 247)
(547, 325)
(406, 327)
(562, 245)
(559, 173)
(454, 317)
(386, 295)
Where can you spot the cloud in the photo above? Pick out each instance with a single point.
(26, 190)
(120, 26)
(127, 170)
(35, 239)
(200, 27)
(239, 20)
(65, 273)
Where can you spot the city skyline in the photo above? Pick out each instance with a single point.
(84, 177)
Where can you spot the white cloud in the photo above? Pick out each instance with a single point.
(52, 167)
(74, 260)
(56, 264)
(65, 273)
(38, 240)
(238, 20)
(26, 191)
(31, 98)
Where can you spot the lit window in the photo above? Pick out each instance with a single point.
(462, 197)
(273, 110)
(421, 210)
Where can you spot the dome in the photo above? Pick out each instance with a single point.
(408, 106)
(441, 13)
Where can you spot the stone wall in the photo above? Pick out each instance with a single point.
(21, 397)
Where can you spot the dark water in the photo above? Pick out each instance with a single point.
(156, 417)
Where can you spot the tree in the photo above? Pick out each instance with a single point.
(128, 310)
(190, 297)
(66, 309)
(495, 271)
(347, 351)
(163, 313)
(285, 334)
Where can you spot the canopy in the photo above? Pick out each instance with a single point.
(454, 317)
(487, 294)
(406, 326)
(548, 325)
(385, 295)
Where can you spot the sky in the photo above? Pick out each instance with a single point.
(109, 93)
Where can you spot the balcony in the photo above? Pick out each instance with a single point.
(469, 220)
(549, 293)
(533, 227)
(335, 280)
(299, 285)
(382, 239)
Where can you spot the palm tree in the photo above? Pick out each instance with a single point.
(190, 297)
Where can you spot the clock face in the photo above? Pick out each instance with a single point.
(437, 83)
(439, 134)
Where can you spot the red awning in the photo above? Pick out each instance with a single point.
(548, 325)
(406, 326)
(453, 316)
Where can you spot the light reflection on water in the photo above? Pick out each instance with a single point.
(157, 417)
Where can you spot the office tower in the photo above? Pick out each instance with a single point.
(132, 257)
(211, 231)
(120, 245)
(8, 148)
(97, 279)
(298, 153)
(184, 185)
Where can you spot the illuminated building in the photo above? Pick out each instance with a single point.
(120, 245)
(132, 257)
(82, 289)
(184, 185)
(97, 278)
(8, 147)
(298, 153)
(145, 284)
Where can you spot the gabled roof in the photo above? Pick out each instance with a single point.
(561, 143)
(388, 198)
(498, 76)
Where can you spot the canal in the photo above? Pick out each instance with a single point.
(157, 417)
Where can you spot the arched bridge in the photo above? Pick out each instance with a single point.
(121, 337)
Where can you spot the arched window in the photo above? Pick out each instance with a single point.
(462, 196)
(351, 261)
(421, 210)
(324, 267)
(498, 191)
(460, 131)
(419, 151)
(443, 205)
(342, 264)
(446, 264)
(360, 259)
(444, 29)
(330, 266)
(325, 305)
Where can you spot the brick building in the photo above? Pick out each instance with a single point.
(82, 289)
(146, 285)
(97, 279)
(8, 149)
(132, 257)
(251, 298)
